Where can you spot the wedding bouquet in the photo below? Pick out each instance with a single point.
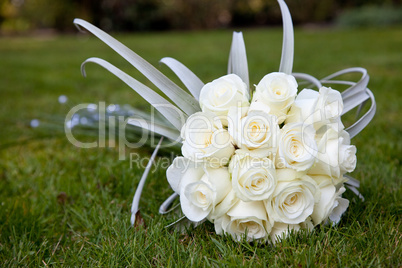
(263, 166)
(256, 163)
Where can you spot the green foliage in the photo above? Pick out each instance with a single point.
(21, 15)
(145, 15)
(369, 16)
(66, 206)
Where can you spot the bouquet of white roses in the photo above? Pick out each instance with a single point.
(257, 163)
(263, 166)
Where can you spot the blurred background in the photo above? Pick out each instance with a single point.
(27, 16)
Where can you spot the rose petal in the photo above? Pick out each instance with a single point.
(182, 172)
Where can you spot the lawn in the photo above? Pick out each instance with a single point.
(66, 206)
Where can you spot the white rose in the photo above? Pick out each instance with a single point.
(245, 218)
(297, 148)
(335, 155)
(201, 188)
(182, 172)
(340, 206)
(281, 230)
(294, 197)
(252, 178)
(256, 131)
(205, 139)
(277, 91)
(330, 200)
(317, 108)
(221, 94)
(347, 154)
(223, 207)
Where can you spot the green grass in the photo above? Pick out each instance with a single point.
(62, 205)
